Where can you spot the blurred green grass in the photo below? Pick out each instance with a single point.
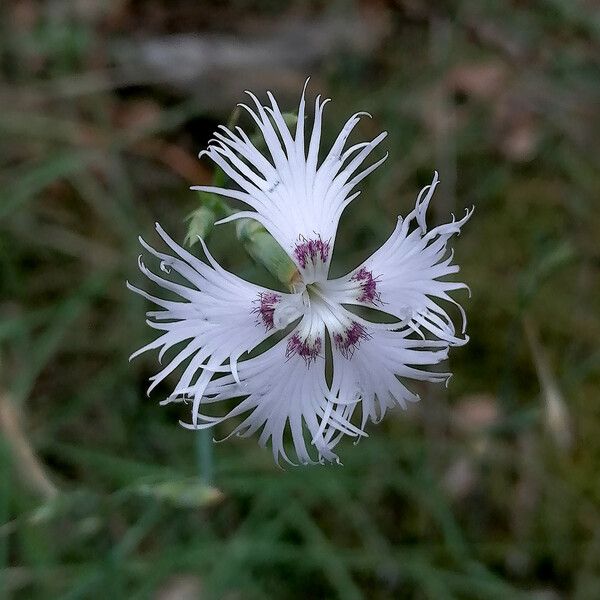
(486, 490)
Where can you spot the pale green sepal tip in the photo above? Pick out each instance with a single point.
(200, 224)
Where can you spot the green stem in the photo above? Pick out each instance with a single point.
(204, 453)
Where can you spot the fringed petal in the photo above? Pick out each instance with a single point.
(217, 317)
(406, 277)
(294, 197)
(374, 376)
(280, 391)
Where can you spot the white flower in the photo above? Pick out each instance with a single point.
(218, 317)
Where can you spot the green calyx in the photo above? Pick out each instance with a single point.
(263, 248)
(255, 239)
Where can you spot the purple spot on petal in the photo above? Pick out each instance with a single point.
(265, 308)
(302, 348)
(368, 286)
(311, 251)
(348, 341)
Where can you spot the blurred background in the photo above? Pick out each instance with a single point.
(489, 489)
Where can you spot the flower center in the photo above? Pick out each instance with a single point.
(320, 313)
(324, 314)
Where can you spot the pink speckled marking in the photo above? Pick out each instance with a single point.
(368, 286)
(347, 342)
(301, 348)
(311, 251)
(266, 307)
